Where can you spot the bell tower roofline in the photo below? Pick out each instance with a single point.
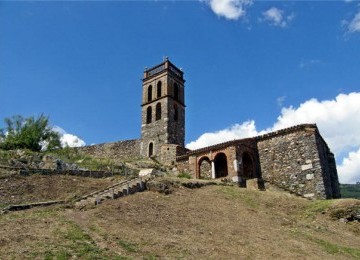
(165, 66)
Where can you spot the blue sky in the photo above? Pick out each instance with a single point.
(250, 67)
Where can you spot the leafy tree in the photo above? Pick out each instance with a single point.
(29, 133)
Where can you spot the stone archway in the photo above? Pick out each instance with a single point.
(204, 168)
(248, 166)
(221, 168)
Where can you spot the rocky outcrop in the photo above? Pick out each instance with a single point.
(25, 160)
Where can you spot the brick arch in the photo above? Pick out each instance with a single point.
(204, 168)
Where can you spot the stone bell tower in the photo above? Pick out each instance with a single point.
(162, 108)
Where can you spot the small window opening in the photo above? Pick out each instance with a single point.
(148, 115)
(159, 89)
(151, 149)
(158, 111)
(150, 93)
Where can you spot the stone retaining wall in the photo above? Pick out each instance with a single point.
(80, 173)
(122, 150)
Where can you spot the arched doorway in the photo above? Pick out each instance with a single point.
(248, 166)
(204, 168)
(221, 169)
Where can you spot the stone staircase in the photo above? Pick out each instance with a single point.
(120, 189)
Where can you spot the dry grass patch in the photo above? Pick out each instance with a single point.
(212, 222)
(37, 188)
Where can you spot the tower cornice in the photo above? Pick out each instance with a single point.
(166, 67)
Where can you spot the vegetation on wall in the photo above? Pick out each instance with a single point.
(28, 133)
(72, 155)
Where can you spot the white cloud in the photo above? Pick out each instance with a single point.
(354, 25)
(276, 17)
(71, 141)
(67, 139)
(246, 129)
(338, 121)
(230, 9)
(349, 169)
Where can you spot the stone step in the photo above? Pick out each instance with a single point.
(113, 192)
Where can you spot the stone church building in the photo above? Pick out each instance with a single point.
(296, 159)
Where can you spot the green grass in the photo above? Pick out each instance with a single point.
(315, 207)
(327, 246)
(184, 175)
(232, 192)
(71, 155)
(337, 249)
(130, 247)
(76, 243)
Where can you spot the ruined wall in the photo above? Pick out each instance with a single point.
(169, 152)
(296, 159)
(122, 150)
(183, 164)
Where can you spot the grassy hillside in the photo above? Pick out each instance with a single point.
(212, 222)
(350, 191)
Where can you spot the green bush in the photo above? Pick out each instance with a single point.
(28, 133)
(184, 175)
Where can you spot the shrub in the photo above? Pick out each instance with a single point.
(28, 133)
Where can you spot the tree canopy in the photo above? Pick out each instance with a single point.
(28, 133)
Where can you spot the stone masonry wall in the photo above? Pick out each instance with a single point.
(295, 159)
(169, 152)
(183, 164)
(122, 150)
(330, 176)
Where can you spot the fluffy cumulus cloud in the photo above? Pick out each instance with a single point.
(276, 17)
(246, 129)
(338, 121)
(230, 9)
(67, 139)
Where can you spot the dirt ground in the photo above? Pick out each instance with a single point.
(16, 189)
(212, 222)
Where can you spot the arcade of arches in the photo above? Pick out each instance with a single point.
(232, 162)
